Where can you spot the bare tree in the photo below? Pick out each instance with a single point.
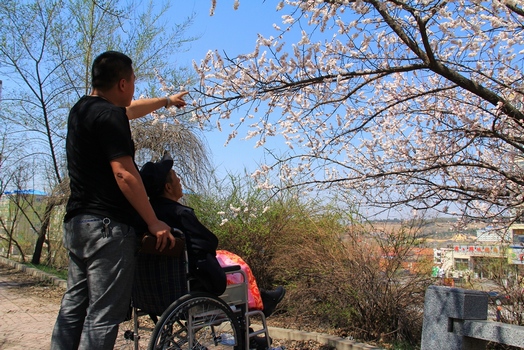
(46, 50)
(8, 233)
(20, 212)
(398, 103)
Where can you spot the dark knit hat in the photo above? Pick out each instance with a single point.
(154, 175)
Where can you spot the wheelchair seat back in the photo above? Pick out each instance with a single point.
(159, 281)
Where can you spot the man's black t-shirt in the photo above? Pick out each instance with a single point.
(97, 133)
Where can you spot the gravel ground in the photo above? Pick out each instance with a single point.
(25, 284)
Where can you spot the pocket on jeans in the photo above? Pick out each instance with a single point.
(88, 224)
(121, 230)
(80, 231)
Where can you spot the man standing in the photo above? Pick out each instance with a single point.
(107, 202)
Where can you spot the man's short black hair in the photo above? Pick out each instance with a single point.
(108, 68)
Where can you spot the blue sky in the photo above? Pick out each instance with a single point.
(231, 31)
(234, 32)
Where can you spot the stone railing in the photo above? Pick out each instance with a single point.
(457, 319)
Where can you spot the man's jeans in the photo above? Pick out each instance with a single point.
(101, 269)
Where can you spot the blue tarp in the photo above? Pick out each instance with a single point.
(31, 191)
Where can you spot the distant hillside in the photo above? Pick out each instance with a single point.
(440, 228)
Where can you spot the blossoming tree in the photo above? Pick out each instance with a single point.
(411, 103)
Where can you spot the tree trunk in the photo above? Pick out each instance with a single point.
(37, 254)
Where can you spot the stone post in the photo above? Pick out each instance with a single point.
(445, 310)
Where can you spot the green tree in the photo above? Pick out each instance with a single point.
(46, 51)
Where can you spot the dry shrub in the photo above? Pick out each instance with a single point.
(346, 278)
(355, 283)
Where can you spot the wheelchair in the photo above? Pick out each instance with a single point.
(192, 319)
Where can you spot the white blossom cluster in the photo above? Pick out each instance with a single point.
(161, 115)
(415, 103)
(244, 212)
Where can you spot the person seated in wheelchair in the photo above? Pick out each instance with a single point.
(164, 189)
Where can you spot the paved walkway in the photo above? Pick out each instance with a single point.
(28, 312)
(26, 320)
(28, 309)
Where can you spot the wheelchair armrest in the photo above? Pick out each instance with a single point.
(231, 268)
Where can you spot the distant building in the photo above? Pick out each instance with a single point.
(493, 235)
(516, 248)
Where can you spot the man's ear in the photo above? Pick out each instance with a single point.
(122, 84)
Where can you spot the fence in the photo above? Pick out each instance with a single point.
(457, 319)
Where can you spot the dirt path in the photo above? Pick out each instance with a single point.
(28, 309)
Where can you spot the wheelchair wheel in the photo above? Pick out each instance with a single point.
(197, 321)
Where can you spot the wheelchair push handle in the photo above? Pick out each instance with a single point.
(148, 244)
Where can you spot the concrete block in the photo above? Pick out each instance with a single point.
(444, 307)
